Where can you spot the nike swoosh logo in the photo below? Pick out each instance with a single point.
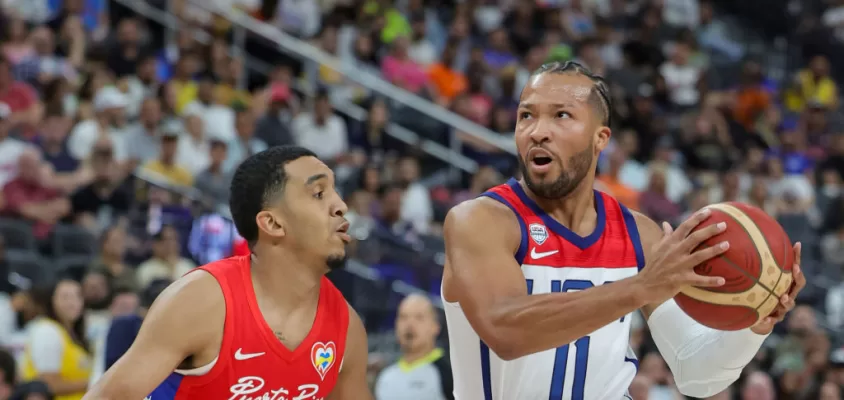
(534, 255)
(240, 356)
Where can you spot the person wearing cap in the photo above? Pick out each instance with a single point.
(165, 165)
(109, 104)
(274, 127)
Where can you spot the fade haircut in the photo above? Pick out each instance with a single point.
(259, 180)
(599, 96)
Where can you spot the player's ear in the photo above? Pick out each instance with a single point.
(271, 223)
(602, 138)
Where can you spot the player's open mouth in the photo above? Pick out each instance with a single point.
(540, 159)
(343, 232)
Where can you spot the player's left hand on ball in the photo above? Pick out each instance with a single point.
(787, 302)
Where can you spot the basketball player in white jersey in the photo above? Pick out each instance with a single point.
(548, 325)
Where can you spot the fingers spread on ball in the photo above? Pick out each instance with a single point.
(686, 227)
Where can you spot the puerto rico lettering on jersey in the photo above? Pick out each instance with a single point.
(253, 364)
(556, 259)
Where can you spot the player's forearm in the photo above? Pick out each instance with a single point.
(529, 324)
(704, 361)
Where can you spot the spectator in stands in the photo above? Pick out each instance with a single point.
(322, 131)
(99, 203)
(218, 118)
(44, 65)
(165, 166)
(27, 196)
(166, 261)
(57, 350)
(274, 126)
(401, 70)
(447, 81)
(110, 258)
(654, 201)
(8, 375)
(813, 84)
(34, 390)
(21, 99)
(416, 206)
(109, 121)
(422, 372)
(10, 148)
(245, 143)
(614, 185)
(215, 180)
(124, 329)
(52, 140)
(17, 47)
(389, 221)
(193, 150)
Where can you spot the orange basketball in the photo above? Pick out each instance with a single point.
(757, 270)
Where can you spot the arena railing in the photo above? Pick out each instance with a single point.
(303, 50)
(436, 150)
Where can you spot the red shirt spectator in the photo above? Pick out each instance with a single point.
(20, 97)
(27, 198)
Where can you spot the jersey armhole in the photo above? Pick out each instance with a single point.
(633, 234)
(523, 245)
(206, 373)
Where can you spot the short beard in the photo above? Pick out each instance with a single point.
(336, 262)
(579, 166)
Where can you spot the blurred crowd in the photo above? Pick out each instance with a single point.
(118, 138)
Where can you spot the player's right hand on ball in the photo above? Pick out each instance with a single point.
(671, 267)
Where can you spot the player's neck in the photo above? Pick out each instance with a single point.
(292, 279)
(572, 210)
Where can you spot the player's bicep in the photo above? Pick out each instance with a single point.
(179, 324)
(481, 241)
(352, 383)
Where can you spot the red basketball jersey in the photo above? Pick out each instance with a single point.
(252, 363)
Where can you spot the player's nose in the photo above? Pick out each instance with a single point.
(540, 133)
(339, 209)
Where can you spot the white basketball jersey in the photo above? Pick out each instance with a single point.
(599, 366)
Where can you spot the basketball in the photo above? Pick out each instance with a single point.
(756, 268)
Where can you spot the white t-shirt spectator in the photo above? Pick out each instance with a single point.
(192, 154)
(416, 207)
(328, 141)
(10, 150)
(682, 83)
(217, 119)
(46, 344)
(81, 140)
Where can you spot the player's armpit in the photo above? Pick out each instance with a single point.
(187, 318)
(481, 274)
(352, 383)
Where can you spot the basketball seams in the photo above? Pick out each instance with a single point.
(729, 211)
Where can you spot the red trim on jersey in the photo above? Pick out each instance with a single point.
(613, 249)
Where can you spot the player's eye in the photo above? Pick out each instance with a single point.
(319, 195)
(524, 115)
(563, 114)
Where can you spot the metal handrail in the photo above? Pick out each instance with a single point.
(354, 111)
(364, 78)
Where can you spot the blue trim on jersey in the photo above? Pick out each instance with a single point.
(523, 246)
(486, 375)
(581, 242)
(167, 390)
(633, 233)
(634, 361)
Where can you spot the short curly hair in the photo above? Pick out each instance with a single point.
(258, 180)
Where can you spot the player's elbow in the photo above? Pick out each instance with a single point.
(504, 345)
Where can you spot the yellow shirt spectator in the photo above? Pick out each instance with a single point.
(173, 173)
(186, 92)
(808, 89)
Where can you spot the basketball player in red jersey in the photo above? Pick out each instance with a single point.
(265, 326)
(569, 339)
